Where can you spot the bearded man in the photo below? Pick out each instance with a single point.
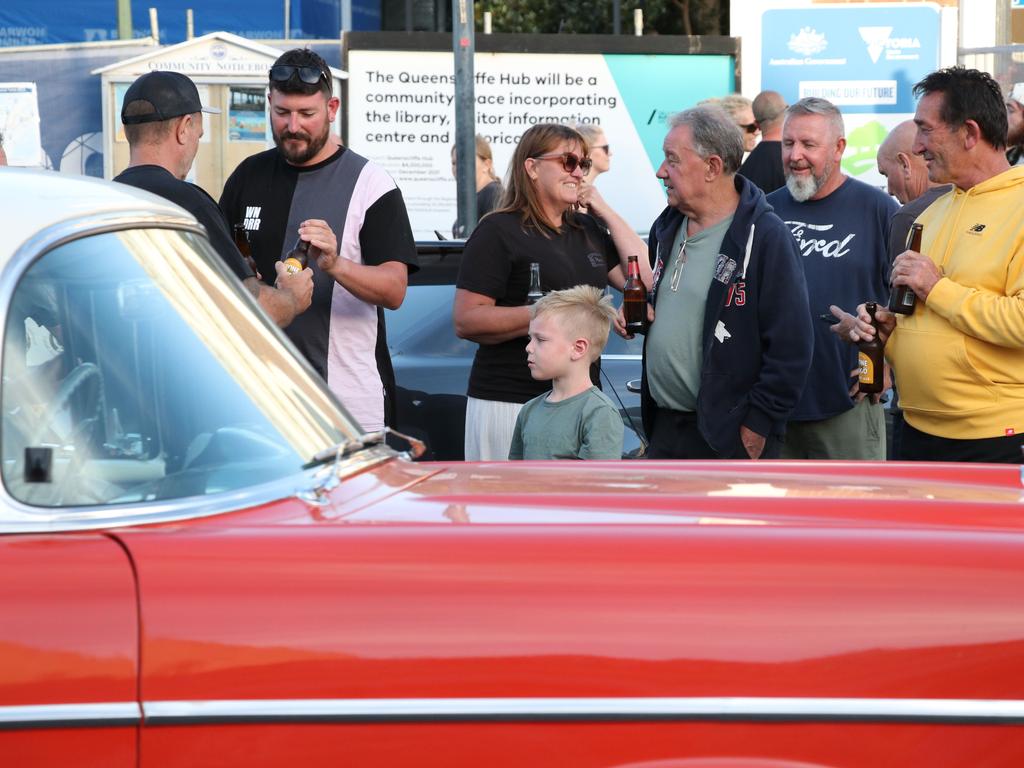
(351, 214)
(841, 226)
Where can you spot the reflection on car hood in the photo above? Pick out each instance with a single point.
(819, 494)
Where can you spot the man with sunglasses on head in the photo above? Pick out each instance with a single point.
(163, 124)
(351, 213)
(729, 344)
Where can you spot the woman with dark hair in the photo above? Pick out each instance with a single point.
(488, 185)
(536, 222)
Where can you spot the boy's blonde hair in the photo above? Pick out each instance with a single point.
(582, 312)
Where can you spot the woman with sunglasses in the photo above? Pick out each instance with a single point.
(537, 222)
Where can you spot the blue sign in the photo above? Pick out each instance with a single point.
(862, 59)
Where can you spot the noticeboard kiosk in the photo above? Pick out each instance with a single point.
(231, 75)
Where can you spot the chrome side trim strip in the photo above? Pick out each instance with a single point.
(70, 715)
(954, 711)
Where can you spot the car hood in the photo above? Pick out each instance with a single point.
(844, 494)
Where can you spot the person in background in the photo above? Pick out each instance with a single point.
(575, 420)
(537, 223)
(163, 124)
(729, 345)
(351, 213)
(488, 185)
(841, 226)
(763, 165)
(600, 151)
(1015, 129)
(906, 176)
(3, 155)
(741, 110)
(959, 358)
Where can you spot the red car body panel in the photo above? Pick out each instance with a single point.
(438, 582)
(70, 635)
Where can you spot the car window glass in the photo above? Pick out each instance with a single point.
(110, 396)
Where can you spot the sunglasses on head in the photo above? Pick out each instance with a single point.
(570, 162)
(750, 127)
(282, 73)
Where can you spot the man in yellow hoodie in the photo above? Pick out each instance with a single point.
(959, 358)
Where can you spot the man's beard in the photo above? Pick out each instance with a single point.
(313, 145)
(803, 188)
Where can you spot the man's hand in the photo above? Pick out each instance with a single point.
(847, 323)
(753, 443)
(876, 398)
(916, 270)
(323, 241)
(297, 285)
(863, 330)
(620, 322)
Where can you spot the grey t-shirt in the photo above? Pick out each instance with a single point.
(674, 354)
(584, 426)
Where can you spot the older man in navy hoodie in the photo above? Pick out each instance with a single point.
(730, 344)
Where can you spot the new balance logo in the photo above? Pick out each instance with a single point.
(977, 229)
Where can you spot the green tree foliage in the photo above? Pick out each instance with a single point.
(663, 17)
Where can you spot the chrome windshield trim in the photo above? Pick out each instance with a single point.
(70, 715)
(754, 709)
(17, 517)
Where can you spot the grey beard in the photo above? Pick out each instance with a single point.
(803, 188)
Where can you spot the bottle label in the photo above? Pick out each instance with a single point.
(867, 369)
(293, 266)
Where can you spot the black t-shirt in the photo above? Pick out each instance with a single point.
(763, 166)
(496, 263)
(342, 336)
(195, 200)
(486, 201)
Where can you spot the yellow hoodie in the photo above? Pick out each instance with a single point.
(959, 359)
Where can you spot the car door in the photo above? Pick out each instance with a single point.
(68, 652)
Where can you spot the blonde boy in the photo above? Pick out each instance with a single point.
(575, 420)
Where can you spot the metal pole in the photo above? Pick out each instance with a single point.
(124, 19)
(190, 26)
(154, 25)
(616, 17)
(465, 116)
(408, 15)
(287, 19)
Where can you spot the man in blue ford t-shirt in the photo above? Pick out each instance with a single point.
(841, 227)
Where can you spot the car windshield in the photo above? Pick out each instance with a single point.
(135, 369)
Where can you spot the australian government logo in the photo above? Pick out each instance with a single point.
(808, 44)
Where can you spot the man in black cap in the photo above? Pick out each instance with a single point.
(163, 125)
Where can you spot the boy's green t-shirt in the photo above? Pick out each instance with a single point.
(584, 426)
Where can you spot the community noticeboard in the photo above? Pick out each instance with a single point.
(401, 115)
(863, 59)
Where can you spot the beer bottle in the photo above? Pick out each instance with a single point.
(534, 294)
(871, 357)
(634, 299)
(903, 299)
(242, 240)
(298, 257)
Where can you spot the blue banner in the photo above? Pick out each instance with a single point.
(860, 58)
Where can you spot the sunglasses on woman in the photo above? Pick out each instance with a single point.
(282, 73)
(570, 162)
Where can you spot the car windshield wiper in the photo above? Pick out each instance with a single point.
(329, 478)
(415, 448)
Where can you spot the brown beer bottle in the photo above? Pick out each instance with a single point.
(634, 299)
(903, 299)
(871, 357)
(242, 240)
(297, 258)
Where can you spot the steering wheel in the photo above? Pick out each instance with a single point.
(72, 383)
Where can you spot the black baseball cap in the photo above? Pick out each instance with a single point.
(170, 94)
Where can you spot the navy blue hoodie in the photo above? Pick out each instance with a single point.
(757, 334)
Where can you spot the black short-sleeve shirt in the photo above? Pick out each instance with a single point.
(195, 200)
(496, 263)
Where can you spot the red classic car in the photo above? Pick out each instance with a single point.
(204, 563)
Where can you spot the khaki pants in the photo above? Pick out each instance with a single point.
(858, 433)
